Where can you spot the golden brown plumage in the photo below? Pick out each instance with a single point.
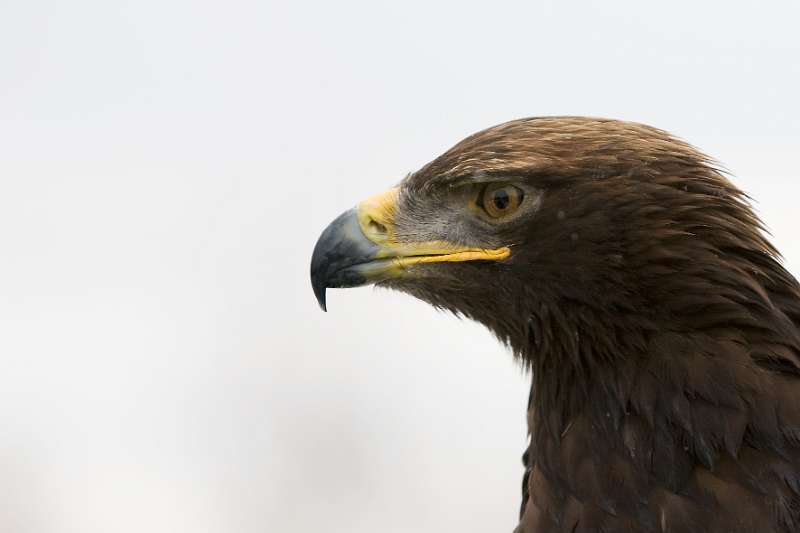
(662, 332)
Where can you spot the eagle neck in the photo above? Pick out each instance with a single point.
(579, 356)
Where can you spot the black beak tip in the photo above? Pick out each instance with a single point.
(319, 292)
(319, 278)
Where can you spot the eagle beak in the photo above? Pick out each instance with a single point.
(360, 247)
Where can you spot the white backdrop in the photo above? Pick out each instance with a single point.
(165, 169)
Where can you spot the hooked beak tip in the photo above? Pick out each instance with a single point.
(319, 292)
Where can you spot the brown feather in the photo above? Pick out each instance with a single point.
(661, 330)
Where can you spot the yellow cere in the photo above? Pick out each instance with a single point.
(376, 216)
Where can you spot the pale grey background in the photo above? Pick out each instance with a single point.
(166, 167)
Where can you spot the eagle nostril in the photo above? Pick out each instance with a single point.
(377, 228)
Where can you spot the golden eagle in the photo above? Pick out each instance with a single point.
(635, 281)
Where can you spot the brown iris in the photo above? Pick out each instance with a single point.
(500, 199)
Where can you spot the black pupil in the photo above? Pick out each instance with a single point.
(501, 199)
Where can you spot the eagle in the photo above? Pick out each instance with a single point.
(623, 268)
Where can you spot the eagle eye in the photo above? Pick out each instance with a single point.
(499, 200)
